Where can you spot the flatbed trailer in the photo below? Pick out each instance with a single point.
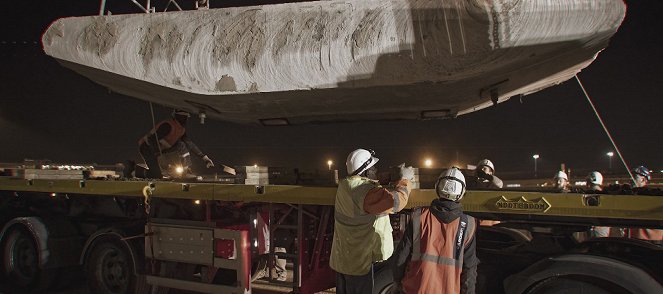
(129, 235)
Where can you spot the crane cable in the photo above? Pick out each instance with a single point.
(598, 116)
(154, 127)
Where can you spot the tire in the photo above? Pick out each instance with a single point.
(577, 285)
(20, 258)
(109, 268)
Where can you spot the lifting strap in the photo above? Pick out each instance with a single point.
(619, 153)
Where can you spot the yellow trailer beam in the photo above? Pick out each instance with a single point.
(631, 207)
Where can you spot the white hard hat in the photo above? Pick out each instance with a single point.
(486, 162)
(360, 160)
(451, 185)
(561, 175)
(595, 178)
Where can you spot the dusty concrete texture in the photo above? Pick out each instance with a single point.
(332, 61)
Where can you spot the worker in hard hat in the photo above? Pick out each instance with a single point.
(485, 177)
(169, 136)
(594, 182)
(561, 182)
(438, 251)
(362, 230)
(642, 176)
(595, 185)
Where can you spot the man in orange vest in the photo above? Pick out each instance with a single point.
(438, 252)
(166, 137)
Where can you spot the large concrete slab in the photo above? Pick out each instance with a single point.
(330, 61)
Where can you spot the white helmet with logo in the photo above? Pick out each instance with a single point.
(486, 162)
(360, 160)
(561, 175)
(451, 185)
(595, 178)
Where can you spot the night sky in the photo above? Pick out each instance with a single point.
(49, 112)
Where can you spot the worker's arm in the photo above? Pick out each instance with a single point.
(192, 146)
(381, 200)
(468, 277)
(403, 254)
(496, 183)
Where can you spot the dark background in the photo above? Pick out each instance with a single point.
(49, 112)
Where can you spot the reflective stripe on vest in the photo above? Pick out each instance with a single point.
(459, 238)
(437, 253)
(360, 238)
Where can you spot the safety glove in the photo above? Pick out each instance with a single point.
(407, 172)
(208, 161)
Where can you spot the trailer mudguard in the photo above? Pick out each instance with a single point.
(616, 272)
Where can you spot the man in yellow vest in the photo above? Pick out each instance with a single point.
(362, 231)
(437, 254)
(166, 137)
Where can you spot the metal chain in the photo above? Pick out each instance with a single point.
(147, 194)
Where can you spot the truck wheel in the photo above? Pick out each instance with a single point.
(574, 286)
(21, 262)
(109, 268)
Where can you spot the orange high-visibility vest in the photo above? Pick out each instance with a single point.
(437, 253)
(175, 134)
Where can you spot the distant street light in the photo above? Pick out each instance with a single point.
(610, 155)
(428, 162)
(329, 163)
(535, 156)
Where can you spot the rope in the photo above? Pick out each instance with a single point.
(154, 127)
(598, 116)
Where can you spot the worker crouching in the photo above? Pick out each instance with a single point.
(362, 231)
(168, 139)
(437, 254)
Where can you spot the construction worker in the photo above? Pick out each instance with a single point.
(362, 230)
(169, 136)
(438, 251)
(642, 176)
(595, 182)
(485, 176)
(595, 185)
(561, 182)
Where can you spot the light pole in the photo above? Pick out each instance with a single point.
(329, 163)
(610, 155)
(535, 156)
